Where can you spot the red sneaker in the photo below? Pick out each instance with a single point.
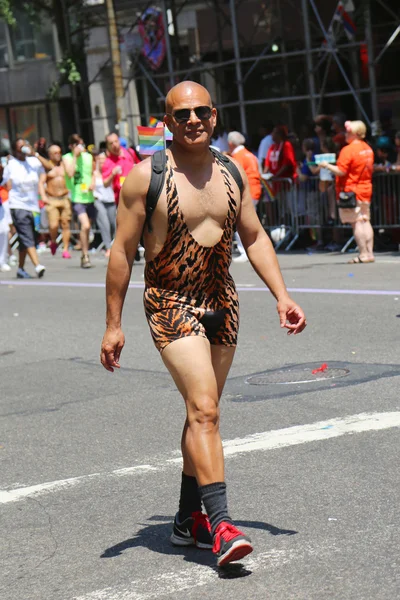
(53, 248)
(230, 544)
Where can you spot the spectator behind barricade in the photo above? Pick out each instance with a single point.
(55, 196)
(21, 176)
(118, 164)
(326, 178)
(353, 172)
(323, 129)
(280, 160)
(5, 222)
(79, 168)
(339, 131)
(265, 144)
(249, 163)
(384, 154)
(104, 203)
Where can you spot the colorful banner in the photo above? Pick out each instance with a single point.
(151, 30)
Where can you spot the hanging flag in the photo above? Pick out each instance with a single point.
(343, 17)
(151, 30)
(151, 139)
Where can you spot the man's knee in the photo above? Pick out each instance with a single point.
(203, 410)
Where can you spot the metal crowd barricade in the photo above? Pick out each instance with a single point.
(276, 210)
(315, 207)
(385, 207)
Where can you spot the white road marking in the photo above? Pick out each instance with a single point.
(163, 585)
(268, 440)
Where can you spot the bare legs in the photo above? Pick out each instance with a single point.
(84, 232)
(199, 371)
(364, 236)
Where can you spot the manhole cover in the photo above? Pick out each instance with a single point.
(295, 375)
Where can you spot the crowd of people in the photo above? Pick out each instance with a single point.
(42, 188)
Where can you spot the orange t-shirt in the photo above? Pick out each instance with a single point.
(250, 166)
(356, 160)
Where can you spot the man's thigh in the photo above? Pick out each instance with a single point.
(222, 358)
(189, 361)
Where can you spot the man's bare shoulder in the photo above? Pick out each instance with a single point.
(138, 181)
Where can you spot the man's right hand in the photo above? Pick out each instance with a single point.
(111, 348)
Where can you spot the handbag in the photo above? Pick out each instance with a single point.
(349, 199)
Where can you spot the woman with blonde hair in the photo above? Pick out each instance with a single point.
(353, 172)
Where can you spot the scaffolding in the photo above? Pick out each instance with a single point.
(288, 60)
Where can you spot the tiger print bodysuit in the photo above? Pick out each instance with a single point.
(188, 288)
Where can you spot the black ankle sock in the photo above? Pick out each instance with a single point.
(215, 502)
(190, 500)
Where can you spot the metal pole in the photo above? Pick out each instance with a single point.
(339, 64)
(309, 62)
(235, 38)
(168, 46)
(371, 64)
(116, 68)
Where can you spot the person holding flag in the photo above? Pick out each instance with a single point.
(190, 299)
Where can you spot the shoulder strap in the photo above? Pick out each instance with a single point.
(232, 168)
(158, 164)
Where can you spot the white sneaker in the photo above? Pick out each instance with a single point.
(40, 269)
(5, 268)
(241, 259)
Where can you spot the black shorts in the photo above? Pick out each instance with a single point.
(25, 225)
(89, 209)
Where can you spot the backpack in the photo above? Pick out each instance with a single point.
(158, 168)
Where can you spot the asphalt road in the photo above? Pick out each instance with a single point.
(89, 461)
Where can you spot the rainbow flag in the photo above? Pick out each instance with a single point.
(269, 190)
(151, 139)
(153, 122)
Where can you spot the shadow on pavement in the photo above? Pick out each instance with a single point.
(155, 537)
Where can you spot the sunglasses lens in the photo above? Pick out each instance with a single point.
(182, 115)
(203, 112)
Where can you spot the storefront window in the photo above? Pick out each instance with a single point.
(32, 41)
(4, 50)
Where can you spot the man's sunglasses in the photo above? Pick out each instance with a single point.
(182, 115)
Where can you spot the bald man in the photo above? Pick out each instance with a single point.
(191, 302)
(54, 193)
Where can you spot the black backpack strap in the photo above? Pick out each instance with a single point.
(232, 168)
(158, 168)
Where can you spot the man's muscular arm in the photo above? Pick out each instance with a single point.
(131, 217)
(262, 256)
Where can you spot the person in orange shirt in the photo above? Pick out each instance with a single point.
(353, 170)
(250, 165)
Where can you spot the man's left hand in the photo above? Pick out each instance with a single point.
(291, 316)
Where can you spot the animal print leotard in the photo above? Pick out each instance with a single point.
(188, 288)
